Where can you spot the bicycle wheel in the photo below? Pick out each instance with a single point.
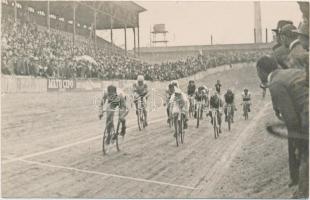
(143, 119)
(246, 114)
(198, 115)
(229, 117)
(190, 109)
(107, 141)
(171, 121)
(176, 129)
(103, 141)
(216, 131)
(181, 130)
(116, 137)
(139, 120)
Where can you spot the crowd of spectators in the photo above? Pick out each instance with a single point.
(285, 73)
(28, 49)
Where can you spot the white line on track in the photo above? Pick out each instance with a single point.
(217, 171)
(66, 146)
(108, 175)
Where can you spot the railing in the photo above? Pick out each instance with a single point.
(20, 84)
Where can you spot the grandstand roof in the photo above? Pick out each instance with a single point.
(123, 12)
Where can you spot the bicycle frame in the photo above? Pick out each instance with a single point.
(191, 105)
(179, 127)
(215, 122)
(199, 105)
(245, 105)
(140, 113)
(171, 121)
(229, 114)
(109, 137)
(215, 117)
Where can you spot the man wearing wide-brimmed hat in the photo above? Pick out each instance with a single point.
(303, 37)
(289, 38)
(280, 51)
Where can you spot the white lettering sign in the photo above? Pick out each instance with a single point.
(60, 84)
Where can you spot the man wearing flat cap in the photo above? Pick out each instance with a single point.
(303, 37)
(280, 51)
(290, 39)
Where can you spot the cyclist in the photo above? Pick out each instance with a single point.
(216, 103)
(229, 100)
(246, 98)
(191, 90)
(218, 86)
(201, 96)
(180, 101)
(175, 83)
(169, 93)
(206, 93)
(110, 101)
(140, 90)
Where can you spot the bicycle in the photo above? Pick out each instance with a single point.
(171, 120)
(179, 127)
(229, 115)
(140, 113)
(191, 105)
(245, 110)
(109, 138)
(198, 111)
(216, 127)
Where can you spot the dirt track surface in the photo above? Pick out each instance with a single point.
(51, 147)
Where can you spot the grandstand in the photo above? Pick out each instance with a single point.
(36, 45)
(87, 16)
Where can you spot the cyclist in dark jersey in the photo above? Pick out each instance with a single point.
(229, 99)
(191, 88)
(110, 101)
(218, 86)
(216, 103)
(201, 96)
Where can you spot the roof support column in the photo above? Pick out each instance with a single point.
(125, 34)
(134, 40)
(15, 11)
(111, 30)
(74, 9)
(95, 28)
(138, 37)
(48, 19)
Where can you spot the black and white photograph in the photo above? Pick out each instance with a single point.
(154, 99)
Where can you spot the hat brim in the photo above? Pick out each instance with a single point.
(275, 30)
(299, 33)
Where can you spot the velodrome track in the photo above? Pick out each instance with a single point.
(51, 147)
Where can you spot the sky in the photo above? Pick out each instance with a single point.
(193, 23)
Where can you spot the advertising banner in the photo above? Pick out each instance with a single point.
(56, 84)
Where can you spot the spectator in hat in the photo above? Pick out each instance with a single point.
(290, 40)
(281, 55)
(303, 37)
(290, 98)
(281, 52)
